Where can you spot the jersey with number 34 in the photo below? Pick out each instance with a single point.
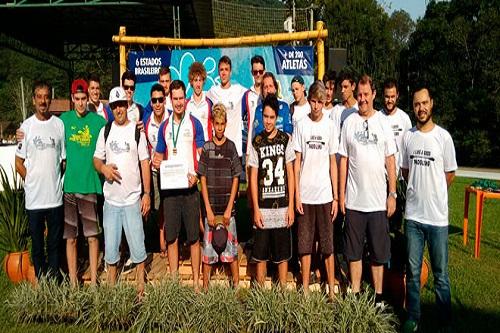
(271, 156)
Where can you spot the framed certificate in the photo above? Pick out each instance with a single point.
(173, 175)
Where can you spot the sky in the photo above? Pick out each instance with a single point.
(416, 8)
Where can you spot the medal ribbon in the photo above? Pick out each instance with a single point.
(174, 137)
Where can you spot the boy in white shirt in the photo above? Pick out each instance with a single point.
(230, 95)
(119, 150)
(315, 144)
(39, 158)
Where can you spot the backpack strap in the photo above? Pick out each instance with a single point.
(107, 128)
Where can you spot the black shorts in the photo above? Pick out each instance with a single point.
(315, 221)
(181, 207)
(273, 245)
(374, 226)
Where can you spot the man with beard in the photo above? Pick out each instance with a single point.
(429, 164)
(397, 118)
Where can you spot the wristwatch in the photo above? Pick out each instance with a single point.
(393, 194)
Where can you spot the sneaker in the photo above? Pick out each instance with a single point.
(128, 266)
(410, 326)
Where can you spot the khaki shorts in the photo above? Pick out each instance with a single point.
(80, 208)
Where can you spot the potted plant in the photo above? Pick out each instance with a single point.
(14, 229)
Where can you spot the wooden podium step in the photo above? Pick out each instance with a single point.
(157, 269)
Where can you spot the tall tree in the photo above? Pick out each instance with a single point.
(455, 49)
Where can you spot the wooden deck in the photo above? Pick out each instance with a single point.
(157, 269)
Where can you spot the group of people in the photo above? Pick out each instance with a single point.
(311, 163)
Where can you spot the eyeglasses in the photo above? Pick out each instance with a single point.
(367, 132)
(157, 100)
(126, 87)
(259, 72)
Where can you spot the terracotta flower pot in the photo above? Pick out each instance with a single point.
(18, 267)
(395, 284)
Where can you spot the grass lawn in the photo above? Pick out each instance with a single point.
(475, 283)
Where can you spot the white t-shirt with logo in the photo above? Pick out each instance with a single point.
(316, 141)
(400, 123)
(300, 112)
(366, 143)
(428, 156)
(203, 112)
(231, 98)
(121, 149)
(43, 150)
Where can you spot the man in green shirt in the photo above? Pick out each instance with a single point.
(81, 181)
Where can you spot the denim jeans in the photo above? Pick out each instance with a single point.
(437, 242)
(55, 226)
(129, 219)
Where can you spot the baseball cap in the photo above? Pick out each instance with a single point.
(298, 78)
(79, 86)
(219, 238)
(117, 94)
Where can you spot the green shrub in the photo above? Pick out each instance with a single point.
(167, 307)
(110, 307)
(218, 311)
(48, 302)
(358, 314)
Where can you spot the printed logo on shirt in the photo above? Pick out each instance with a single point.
(40, 145)
(316, 142)
(366, 138)
(115, 147)
(422, 157)
(396, 129)
(81, 137)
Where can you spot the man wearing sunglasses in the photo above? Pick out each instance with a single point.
(252, 98)
(135, 111)
(367, 170)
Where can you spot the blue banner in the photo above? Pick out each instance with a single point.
(294, 60)
(283, 61)
(147, 64)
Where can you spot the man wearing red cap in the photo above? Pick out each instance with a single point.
(81, 181)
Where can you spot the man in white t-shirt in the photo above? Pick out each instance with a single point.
(367, 170)
(315, 144)
(199, 105)
(397, 118)
(230, 96)
(121, 156)
(400, 123)
(299, 107)
(39, 158)
(429, 164)
(164, 79)
(135, 111)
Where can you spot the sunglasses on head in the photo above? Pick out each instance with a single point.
(260, 72)
(126, 87)
(157, 100)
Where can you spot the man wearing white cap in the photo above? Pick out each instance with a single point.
(119, 146)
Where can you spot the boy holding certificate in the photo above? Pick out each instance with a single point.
(219, 169)
(272, 186)
(180, 139)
